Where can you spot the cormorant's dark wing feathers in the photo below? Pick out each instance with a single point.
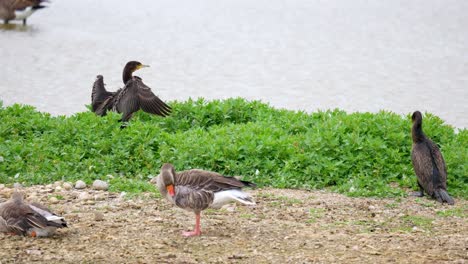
(439, 163)
(423, 168)
(99, 95)
(127, 101)
(149, 102)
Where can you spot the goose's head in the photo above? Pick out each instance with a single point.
(166, 178)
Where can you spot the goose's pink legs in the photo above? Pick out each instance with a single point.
(197, 230)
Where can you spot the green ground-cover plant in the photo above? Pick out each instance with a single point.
(360, 154)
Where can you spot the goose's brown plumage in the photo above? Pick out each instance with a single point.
(196, 190)
(428, 163)
(21, 218)
(134, 96)
(8, 8)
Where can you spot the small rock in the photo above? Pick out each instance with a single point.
(80, 184)
(58, 189)
(57, 183)
(84, 196)
(100, 185)
(2, 186)
(33, 252)
(46, 190)
(53, 200)
(67, 186)
(100, 196)
(371, 207)
(98, 216)
(90, 202)
(17, 185)
(169, 255)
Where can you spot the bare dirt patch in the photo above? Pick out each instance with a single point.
(287, 226)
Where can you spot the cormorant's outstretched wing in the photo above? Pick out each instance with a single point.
(149, 102)
(137, 95)
(99, 95)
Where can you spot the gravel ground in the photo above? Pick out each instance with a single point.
(286, 226)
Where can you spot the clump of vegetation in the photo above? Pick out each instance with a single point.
(360, 154)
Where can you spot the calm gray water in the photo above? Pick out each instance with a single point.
(359, 55)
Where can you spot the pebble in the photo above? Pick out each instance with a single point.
(53, 200)
(80, 184)
(100, 185)
(84, 196)
(58, 189)
(33, 252)
(2, 186)
(371, 207)
(98, 216)
(67, 186)
(100, 196)
(17, 185)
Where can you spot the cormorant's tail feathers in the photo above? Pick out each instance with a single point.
(442, 196)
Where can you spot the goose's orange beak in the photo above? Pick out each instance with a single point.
(170, 190)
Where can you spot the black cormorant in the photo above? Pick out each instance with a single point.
(134, 96)
(428, 164)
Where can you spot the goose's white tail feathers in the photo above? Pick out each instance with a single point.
(49, 216)
(224, 197)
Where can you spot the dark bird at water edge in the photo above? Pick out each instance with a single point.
(428, 164)
(134, 96)
(19, 9)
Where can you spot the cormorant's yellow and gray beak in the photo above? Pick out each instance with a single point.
(142, 66)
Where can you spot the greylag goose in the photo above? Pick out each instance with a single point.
(19, 9)
(196, 190)
(134, 96)
(428, 164)
(21, 218)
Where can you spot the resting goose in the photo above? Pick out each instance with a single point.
(428, 164)
(19, 9)
(134, 96)
(21, 218)
(196, 190)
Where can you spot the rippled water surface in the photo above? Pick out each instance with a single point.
(358, 55)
